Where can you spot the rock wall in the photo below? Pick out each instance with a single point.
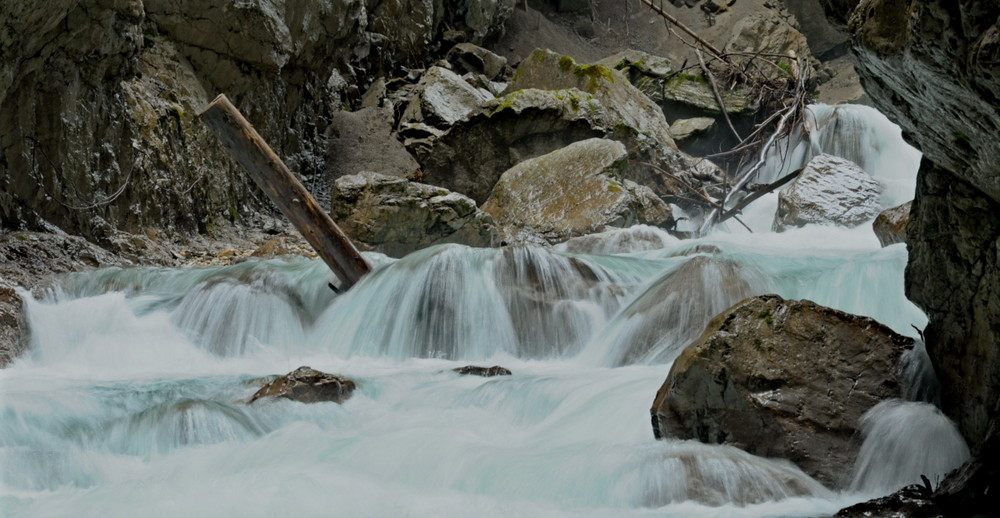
(98, 98)
(934, 68)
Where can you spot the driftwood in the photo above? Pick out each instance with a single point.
(274, 178)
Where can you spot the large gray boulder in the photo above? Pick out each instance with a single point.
(395, 216)
(571, 192)
(829, 191)
(443, 98)
(788, 379)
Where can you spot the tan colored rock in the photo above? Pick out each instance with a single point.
(308, 385)
(683, 129)
(570, 192)
(788, 379)
(396, 216)
(890, 225)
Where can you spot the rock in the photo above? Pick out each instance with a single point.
(524, 124)
(308, 385)
(486, 372)
(280, 246)
(931, 68)
(632, 61)
(779, 378)
(546, 70)
(477, 60)
(108, 92)
(683, 129)
(570, 192)
(890, 225)
(770, 32)
(363, 141)
(909, 502)
(830, 190)
(637, 238)
(443, 98)
(395, 216)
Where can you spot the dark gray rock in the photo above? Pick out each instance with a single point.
(486, 372)
(788, 379)
(307, 385)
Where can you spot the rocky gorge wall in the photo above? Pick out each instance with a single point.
(98, 99)
(934, 68)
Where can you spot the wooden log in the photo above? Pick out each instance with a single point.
(273, 177)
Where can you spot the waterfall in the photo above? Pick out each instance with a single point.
(132, 397)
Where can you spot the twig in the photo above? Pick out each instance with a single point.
(718, 96)
(760, 191)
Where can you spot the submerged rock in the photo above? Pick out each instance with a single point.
(308, 385)
(831, 190)
(890, 225)
(396, 216)
(788, 379)
(571, 192)
(486, 372)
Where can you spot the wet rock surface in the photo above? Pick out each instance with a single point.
(486, 372)
(890, 225)
(932, 68)
(571, 192)
(831, 190)
(308, 385)
(396, 216)
(787, 379)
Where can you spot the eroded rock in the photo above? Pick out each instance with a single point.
(443, 98)
(571, 192)
(396, 216)
(890, 225)
(308, 385)
(788, 379)
(831, 190)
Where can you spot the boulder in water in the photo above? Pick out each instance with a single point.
(787, 379)
(830, 190)
(571, 192)
(486, 372)
(890, 225)
(396, 216)
(308, 385)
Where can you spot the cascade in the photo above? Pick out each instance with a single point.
(131, 399)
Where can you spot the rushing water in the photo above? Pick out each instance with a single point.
(131, 399)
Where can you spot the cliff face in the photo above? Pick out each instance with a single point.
(934, 68)
(98, 98)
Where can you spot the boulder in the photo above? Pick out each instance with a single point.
(443, 98)
(787, 379)
(683, 129)
(396, 216)
(364, 141)
(831, 191)
(486, 372)
(546, 70)
(890, 225)
(308, 385)
(772, 32)
(570, 192)
(473, 59)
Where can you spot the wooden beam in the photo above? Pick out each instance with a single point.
(273, 177)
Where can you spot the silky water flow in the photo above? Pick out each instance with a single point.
(131, 400)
